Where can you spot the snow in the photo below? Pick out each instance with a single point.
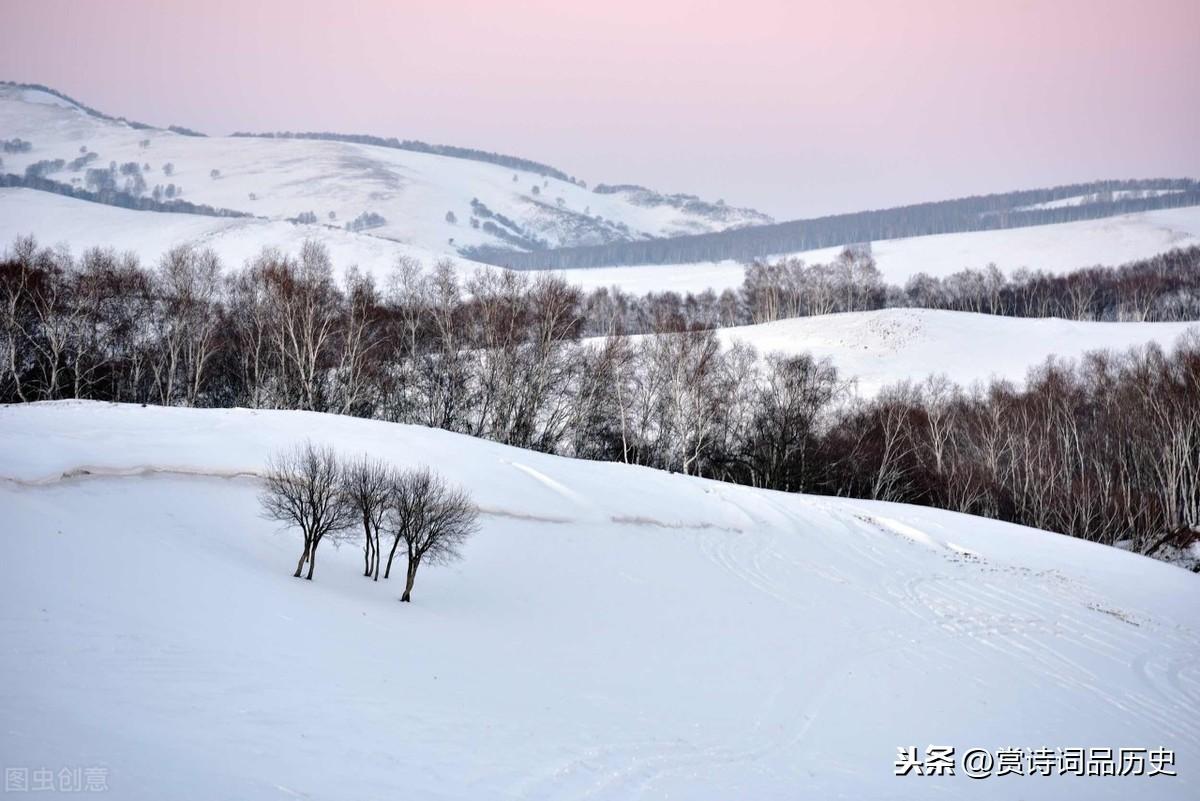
(413, 191)
(1055, 248)
(46, 99)
(1079, 200)
(881, 348)
(79, 224)
(613, 632)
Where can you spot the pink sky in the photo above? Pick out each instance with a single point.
(797, 108)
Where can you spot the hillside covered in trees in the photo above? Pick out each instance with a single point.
(1067, 203)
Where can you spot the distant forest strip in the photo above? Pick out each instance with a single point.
(1162, 288)
(1106, 449)
(976, 213)
(417, 146)
(116, 197)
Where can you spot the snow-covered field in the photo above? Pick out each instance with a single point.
(1056, 248)
(880, 348)
(614, 632)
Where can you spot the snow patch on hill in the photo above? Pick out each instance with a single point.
(77, 224)
(45, 98)
(1080, 200)
(882, 348)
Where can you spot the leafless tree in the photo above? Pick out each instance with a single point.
(366, 485)
(360, 347)
(432, 518)
(185, 316)
(302, 488)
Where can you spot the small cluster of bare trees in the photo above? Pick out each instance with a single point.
(791, 288)
(311, 488)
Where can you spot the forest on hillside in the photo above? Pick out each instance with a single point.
(977, 213)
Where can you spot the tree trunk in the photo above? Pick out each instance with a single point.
(387, 573)
(408, 583)
(303, 559)
(367, 548)
(376, 566)
(312, 560)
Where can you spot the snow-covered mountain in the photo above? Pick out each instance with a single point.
(614, 632)
(438, 203)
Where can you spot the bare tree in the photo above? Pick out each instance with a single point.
(358, 351)
(366, 487)
(432, 519)
(185, 319)
(302, 488)
(306, 308)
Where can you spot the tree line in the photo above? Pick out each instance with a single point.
(976, 213)
(1108, 449)
(1162, 288)
(107, 192)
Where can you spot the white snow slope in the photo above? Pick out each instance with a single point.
(57, 220)
(412, 191)
(613, 632)
(881, 348)
(1056, 249)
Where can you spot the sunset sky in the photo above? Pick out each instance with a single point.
(796, 108)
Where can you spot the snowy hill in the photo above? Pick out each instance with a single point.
(881, 348)
(78, 224)
(614, 632)
(1055, 248)
(414, 193)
